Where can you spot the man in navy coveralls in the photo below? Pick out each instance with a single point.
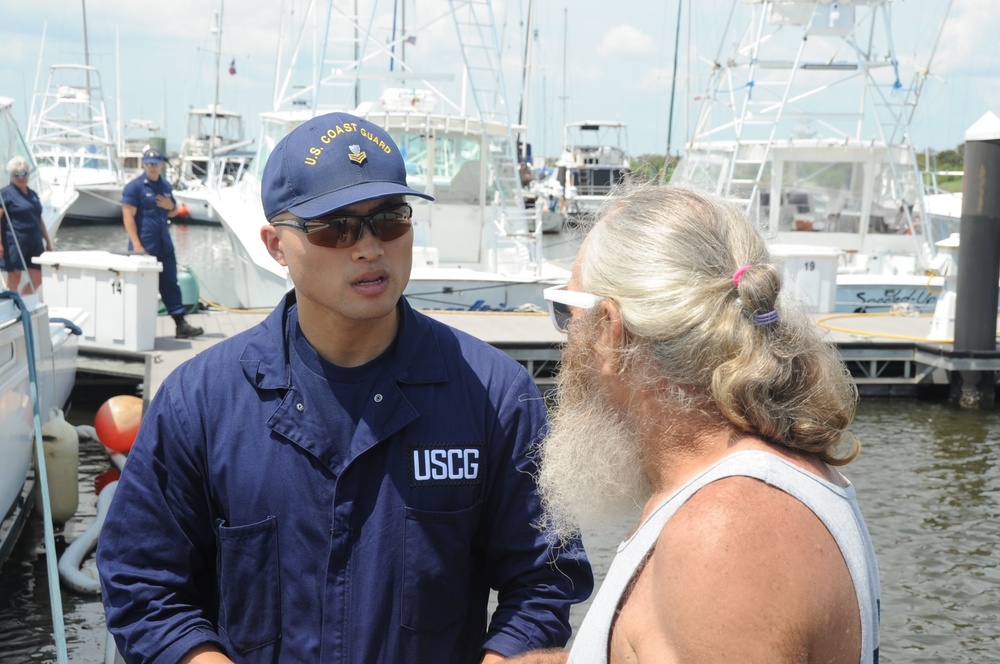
(147, 203)
(347, 481)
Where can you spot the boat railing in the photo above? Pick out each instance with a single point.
(519, 247)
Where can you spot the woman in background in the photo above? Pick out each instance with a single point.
(21, 228)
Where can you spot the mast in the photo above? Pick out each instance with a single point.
(523, 110)
(565, 31)
(276, 92)
(215, 106)
(86, 60)
(392, 39)
(357, 57)
(673, 90)
(119, 125)
(402, 32)
(34, 96)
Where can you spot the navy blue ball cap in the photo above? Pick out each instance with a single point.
(331, 162)
(152, 156)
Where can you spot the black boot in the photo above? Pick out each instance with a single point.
(185, 330)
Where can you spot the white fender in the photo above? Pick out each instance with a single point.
(62, 461)
(74, 577)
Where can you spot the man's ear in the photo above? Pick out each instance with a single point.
(611, 337)
(269, 235)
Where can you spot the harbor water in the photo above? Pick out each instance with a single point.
(928, 481)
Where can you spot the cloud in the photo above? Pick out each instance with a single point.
(626, 41)
(971, 25)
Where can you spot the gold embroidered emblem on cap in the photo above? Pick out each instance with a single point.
(357, 155)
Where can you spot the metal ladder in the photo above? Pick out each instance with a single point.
(764, 101)
(477, 36)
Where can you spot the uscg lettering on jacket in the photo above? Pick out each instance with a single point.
(445, 466)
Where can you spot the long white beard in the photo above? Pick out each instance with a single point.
(590, 469)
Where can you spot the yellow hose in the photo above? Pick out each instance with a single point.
(822, 322)
(231, 310)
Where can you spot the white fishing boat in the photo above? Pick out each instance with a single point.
(213, 155)
(69, 136)
(806, 122)
(472, 247)
(594, 160)
(54, 352)
(56, 197)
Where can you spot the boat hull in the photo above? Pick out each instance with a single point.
(55, 352)
(97, 204)
(196, 208)
(458, 289)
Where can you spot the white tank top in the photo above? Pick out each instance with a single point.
(836, 507)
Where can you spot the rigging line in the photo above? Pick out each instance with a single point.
(673, 85)
(470, 289)
(392, 43)
(41, 477)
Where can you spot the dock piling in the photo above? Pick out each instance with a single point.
(979, 256)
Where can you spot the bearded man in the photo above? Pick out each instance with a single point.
(689, 391)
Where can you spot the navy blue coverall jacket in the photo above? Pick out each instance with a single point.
(153, 227)
(233, 525)
(22, 232)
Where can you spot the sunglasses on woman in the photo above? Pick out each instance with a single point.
(20, 174)
(340, 231)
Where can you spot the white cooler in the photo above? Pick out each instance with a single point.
(119, 292)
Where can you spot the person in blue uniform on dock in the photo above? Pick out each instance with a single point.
(22, 228)
(147, 203)
(348, 480)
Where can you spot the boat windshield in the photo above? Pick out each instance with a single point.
(228, 127)
(448, 167)
(799, 191)
(12, 142)
(271, 131)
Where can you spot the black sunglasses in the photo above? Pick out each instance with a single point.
(340, 231)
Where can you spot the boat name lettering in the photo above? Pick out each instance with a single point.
(444, 466)
(896, 295)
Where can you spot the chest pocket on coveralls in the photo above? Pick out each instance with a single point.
(249, 587)
(436, 562)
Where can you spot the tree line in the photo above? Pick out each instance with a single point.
(945, 164)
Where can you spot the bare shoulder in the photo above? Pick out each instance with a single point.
(745, 572)
(745, 513)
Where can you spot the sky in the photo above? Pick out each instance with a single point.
(586, 61)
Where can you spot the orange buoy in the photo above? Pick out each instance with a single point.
(183, 212)
(117, 422)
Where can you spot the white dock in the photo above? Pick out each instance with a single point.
(888, 354)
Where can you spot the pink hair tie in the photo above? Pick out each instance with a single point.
(738, 275)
